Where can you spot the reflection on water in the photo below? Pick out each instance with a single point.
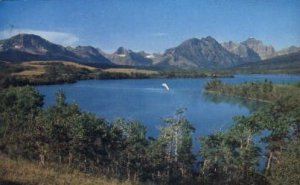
(252, 105)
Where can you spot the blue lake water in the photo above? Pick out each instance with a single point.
(147, 101)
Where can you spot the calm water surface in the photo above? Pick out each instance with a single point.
(147, 101)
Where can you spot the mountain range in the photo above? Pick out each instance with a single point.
(193, 53)
(28, 47)
(289, 62)
(123, 56)
(252, 50)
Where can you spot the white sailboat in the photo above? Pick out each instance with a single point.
(165, 86)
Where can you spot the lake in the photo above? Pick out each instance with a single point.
(147, 101)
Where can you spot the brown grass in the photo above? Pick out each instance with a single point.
(30, 173)
(33, 70)
(67, 63)
(36, 68)
(130, 70)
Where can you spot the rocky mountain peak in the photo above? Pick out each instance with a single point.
(87, 50)
(121, 51)
(190, 42)
(252, 41)
(291, 49)
(26, 41)
(201, 53)
(264, 51)
(205, 52)
(243, 51)
(209, 39)
(230, 45)
(128, 57)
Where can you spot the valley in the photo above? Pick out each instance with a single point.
(164, 92)
(30, 59)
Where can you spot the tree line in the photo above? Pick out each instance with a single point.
(65, 135)
(254, 90)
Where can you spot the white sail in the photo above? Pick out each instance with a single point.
(165, 86)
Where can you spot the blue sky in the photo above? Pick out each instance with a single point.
(152, 25)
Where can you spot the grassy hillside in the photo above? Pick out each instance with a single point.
(53, 72)
(37, 68)
(23, 172)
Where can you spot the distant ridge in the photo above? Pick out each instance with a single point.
(253, 50)
(27, 47)
(289, 61)
(194, 53)
(89, 54)
(243, 51)
(260, 48)
(123, 56)
(289, 50)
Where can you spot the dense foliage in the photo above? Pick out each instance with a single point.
(259, 90)
(180, 73)
(64, 134)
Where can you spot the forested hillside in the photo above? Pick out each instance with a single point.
(65, 135)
